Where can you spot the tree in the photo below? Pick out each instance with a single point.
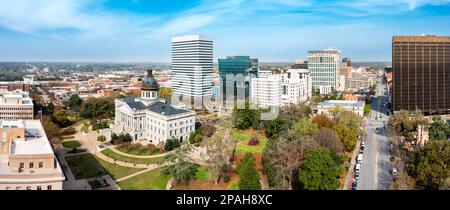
(180, 169)
(249, 176)
(101, 138)
(430, 165)
(367, 109)
(282, 158)
(439, 129)
(349, 119)
(323, 121)
(75, 102)
(208, 129)
(219, 150)
(328, 138)
(165, 93)
(348, 137)
(297, 111)
(303, 128)
(61, 118)
(401, 121)
(98, 107)
(321, 170)
(403, 182)
(172, 144)
(244, 118)
(51, 129)
(278, 126)
(196, 136)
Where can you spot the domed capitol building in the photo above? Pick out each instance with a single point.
(149, 118)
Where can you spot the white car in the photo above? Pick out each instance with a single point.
(360, 158)
(357, 170)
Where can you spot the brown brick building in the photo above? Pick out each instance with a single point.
(421, 73)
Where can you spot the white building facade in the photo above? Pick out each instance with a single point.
(276, 90)
(296, 86)
(192, 65)
(328, 107)
(148, 118)
(324, 66)
(15, 105)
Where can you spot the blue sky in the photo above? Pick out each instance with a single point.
(271, 30)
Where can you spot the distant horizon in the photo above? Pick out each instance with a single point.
(159, 62)
(271, 30)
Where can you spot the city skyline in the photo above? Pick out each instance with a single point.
(273, 31)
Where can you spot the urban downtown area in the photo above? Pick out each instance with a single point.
(326, 118)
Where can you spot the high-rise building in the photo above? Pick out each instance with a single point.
(324, 66)
(27, 160)
(192, 66)
(241, 69)
(421, 73)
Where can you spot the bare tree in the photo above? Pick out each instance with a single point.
(328, 138)
(219, 151)
(287, 156)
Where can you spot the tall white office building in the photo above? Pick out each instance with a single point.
(192, 65)
(324, 66)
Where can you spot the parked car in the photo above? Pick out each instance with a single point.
(357, 170)
(360, 158)
(394, 171)
(363, 145)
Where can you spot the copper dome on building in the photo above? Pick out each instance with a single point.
(149, 83)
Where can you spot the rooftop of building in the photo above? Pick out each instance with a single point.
(157, 106)
(35, 143)
(326, 51)
(423, 38)
(17, 94)
(343, 103)
(193, 37)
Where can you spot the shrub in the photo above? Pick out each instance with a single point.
(253, 141)
(172, 144)
(208, 129)
(226, 179)
(68, 131)
(138, 147)
(101, 138)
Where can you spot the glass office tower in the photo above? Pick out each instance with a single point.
(242, 69)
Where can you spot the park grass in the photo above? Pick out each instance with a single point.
(122, 158)
(239, 136)
(202, 174)
(242, 147)
(132, 151)
(152, 180)
(71, 144)
(88, 166)
(234, 185)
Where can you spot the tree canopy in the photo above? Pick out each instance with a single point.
(321, 170)
(248, 174)
(430, 165)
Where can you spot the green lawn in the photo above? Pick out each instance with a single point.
(116, 156)
(239, 136)
(202, 174)
(71, 144)
(234, 185)
(242, 147)
(88, 166)
(132, 151)
(152, 180)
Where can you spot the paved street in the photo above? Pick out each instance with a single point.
(376, 166)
